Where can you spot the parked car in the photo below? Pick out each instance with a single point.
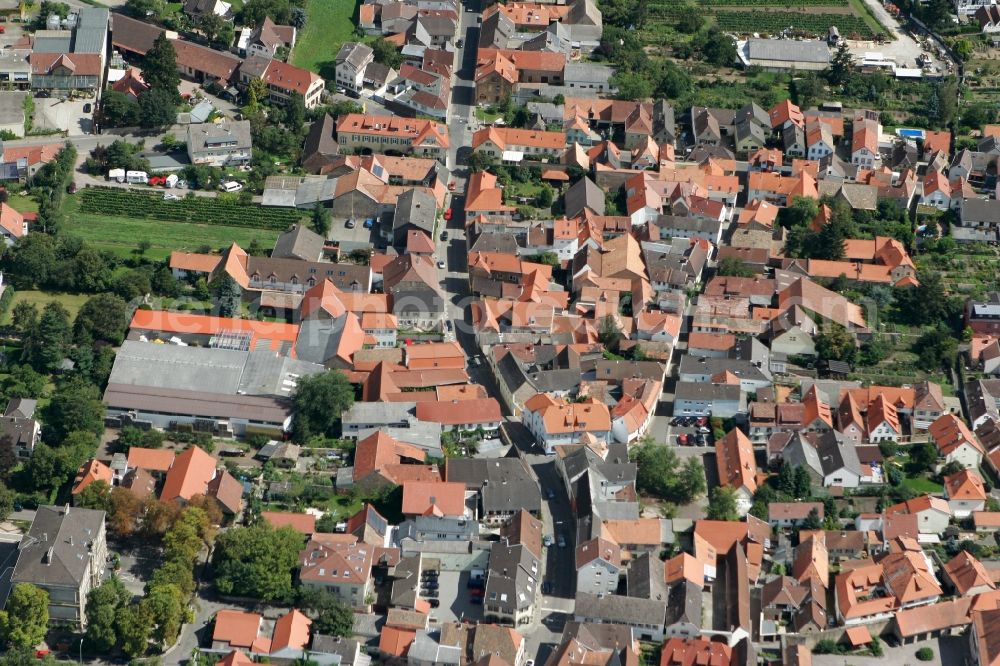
(478, 601)
(477, 592)
(682, 439)
(704, 429)
(447, 214)
(561, 541)
(700, 440)
(434, 603)
(551, 494)
(350, 224)
(701, 420)
(546, 587)
(444, 235)
(87, 108)
(431, 594)
(476, 582)
(369, 223)
(441, 265)
(547, 540)
(430, 584)
(451, 186)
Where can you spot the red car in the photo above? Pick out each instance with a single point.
(157, 180)
(682, 439)
(702, 421)
(451, 186)
(447, 214)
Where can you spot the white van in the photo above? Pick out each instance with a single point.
(137, 177)
(231, 186)
(117, 174)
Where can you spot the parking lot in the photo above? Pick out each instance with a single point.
(690, 431)
(455, 597)
(352, 239)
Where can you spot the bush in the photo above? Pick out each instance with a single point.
(925, 654)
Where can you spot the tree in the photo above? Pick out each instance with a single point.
(24, 317)
(330, 615)
(479, 161)
(46, 345)
(936, 349)
(135, 624)
(118, 110)
(722, 504)
(717, 48)
(97, 495)
(806, 88)
(632, 85)
(102, 614)
(31, 260)
(321, 219)
(923, 456)
(660, 474)
(386, 53)
(841, 65)
(25, 619)
(609, 334)
(295, 113)
(801, 484)
(211, 24)
(229, 296)
(545, 196)
(124, 511)
(812, 520)
(75, 406)
(159, 68)
(256, 94)
(103, 317)
(925, 654)
(690, 21)
(157, 107)
(166, 610)
(257, 561)
(834, 343)
(731, 266)
(318, 402)
(7, 498)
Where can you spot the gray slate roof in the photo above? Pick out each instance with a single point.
(299, 242)
(617, 609)
(56, 551)
(788, 50)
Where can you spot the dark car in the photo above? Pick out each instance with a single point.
(87, 107)
(434, 603)
(546, 587)
(478, 601)
(700, 440)
(430, 585)
(444, 235)
(431, 594)
(551, 494)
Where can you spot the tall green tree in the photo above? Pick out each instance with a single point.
(159, 67)
(135, 626)
(75, 406)
(722, 504)
(661, 474)
(102, 614)
(330, 615)
(229, 296)
(257, 561)
(841, 65)
(834, 343)
(318, 403)
(166, 609)
(47, 344)
(103, 317)
(321, 219)
(609, 333)
(25, 619)
(97, 495)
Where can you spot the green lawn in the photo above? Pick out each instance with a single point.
(72, 302)
(122, 234)
(922, 485)
(329, 24)
(22, 203)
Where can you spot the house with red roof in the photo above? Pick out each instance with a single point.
(737, 469)
(956, 442)
(933, 513)
(13, 225)
(195, 472)
(303, 523)
(283, 80)
(341, 568)
(238, 631)
(91, 471)
(435, 498)
(965, 492)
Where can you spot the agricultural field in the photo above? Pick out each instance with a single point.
(745, 17)
(121, 233)
(222, 211)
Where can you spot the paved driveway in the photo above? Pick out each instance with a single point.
(951, 650)
(64, 115)
(454, 595)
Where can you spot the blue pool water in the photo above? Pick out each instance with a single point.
(910, 133)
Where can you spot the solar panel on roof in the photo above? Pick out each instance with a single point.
(231, 339)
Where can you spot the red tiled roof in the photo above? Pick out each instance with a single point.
(440, 498)
(91, 471)
(155, 460)
(303, 523)
(237, 628)
(189, 475)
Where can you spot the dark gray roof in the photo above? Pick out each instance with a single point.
(320, 140)
(91, 30)
(355, 54)
(980, 211)
(347, 648)
(744, 369)
(9, 550)
(704, 391)
(836, 453)
(684, 603)
(618, 609)
(415, 208)
(56, 551)
(800, 452)
(299, 242)
(496, 31)
(584, 193)
(319, 339)
(788, 50)
(505, 484)
(406, 580)
(232, 135)
(512, 579)
(645, 578)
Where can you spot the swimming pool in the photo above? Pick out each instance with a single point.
(910, 133)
